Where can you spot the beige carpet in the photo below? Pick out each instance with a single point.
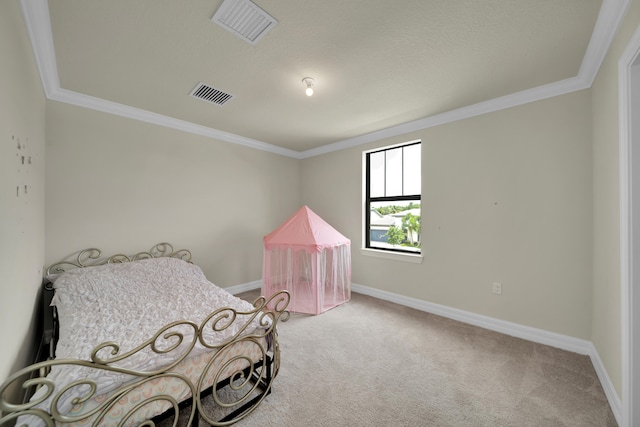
(374, 363)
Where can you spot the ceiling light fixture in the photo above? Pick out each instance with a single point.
(309, 82)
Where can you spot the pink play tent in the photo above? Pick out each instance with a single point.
(311, 260)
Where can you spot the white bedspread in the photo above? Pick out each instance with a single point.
(128, 303)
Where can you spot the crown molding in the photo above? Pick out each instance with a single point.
(86, 101)
(38, 22)
(519, 98)
(609, 19)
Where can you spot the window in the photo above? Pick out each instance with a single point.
(392, 198)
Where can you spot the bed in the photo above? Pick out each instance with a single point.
(145, 338)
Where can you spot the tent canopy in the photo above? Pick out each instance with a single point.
(304, 229)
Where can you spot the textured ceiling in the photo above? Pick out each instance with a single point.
(377, 63)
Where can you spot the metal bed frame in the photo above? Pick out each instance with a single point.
(249, 385)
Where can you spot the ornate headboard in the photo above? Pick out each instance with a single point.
(92, 257)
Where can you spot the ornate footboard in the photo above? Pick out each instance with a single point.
(237, 375)
(218, 381)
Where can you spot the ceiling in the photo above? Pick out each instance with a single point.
(382, 67)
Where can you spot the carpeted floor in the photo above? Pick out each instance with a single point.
(374, 363)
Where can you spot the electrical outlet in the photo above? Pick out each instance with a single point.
(497, 288)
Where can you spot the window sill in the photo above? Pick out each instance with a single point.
(396, 256)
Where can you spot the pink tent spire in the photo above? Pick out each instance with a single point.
(304, 229)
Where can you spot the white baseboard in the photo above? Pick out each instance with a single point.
(553, 339)
(244, 287)
(540, 336)
(609, 390)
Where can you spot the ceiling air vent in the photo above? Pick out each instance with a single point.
(210, 94)
(244, 19)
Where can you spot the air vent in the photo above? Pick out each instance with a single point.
(244, 19)
(210, 94)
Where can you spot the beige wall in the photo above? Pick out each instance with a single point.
(606, 202)
(122, 185)
(506, 198)
(22, 127)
